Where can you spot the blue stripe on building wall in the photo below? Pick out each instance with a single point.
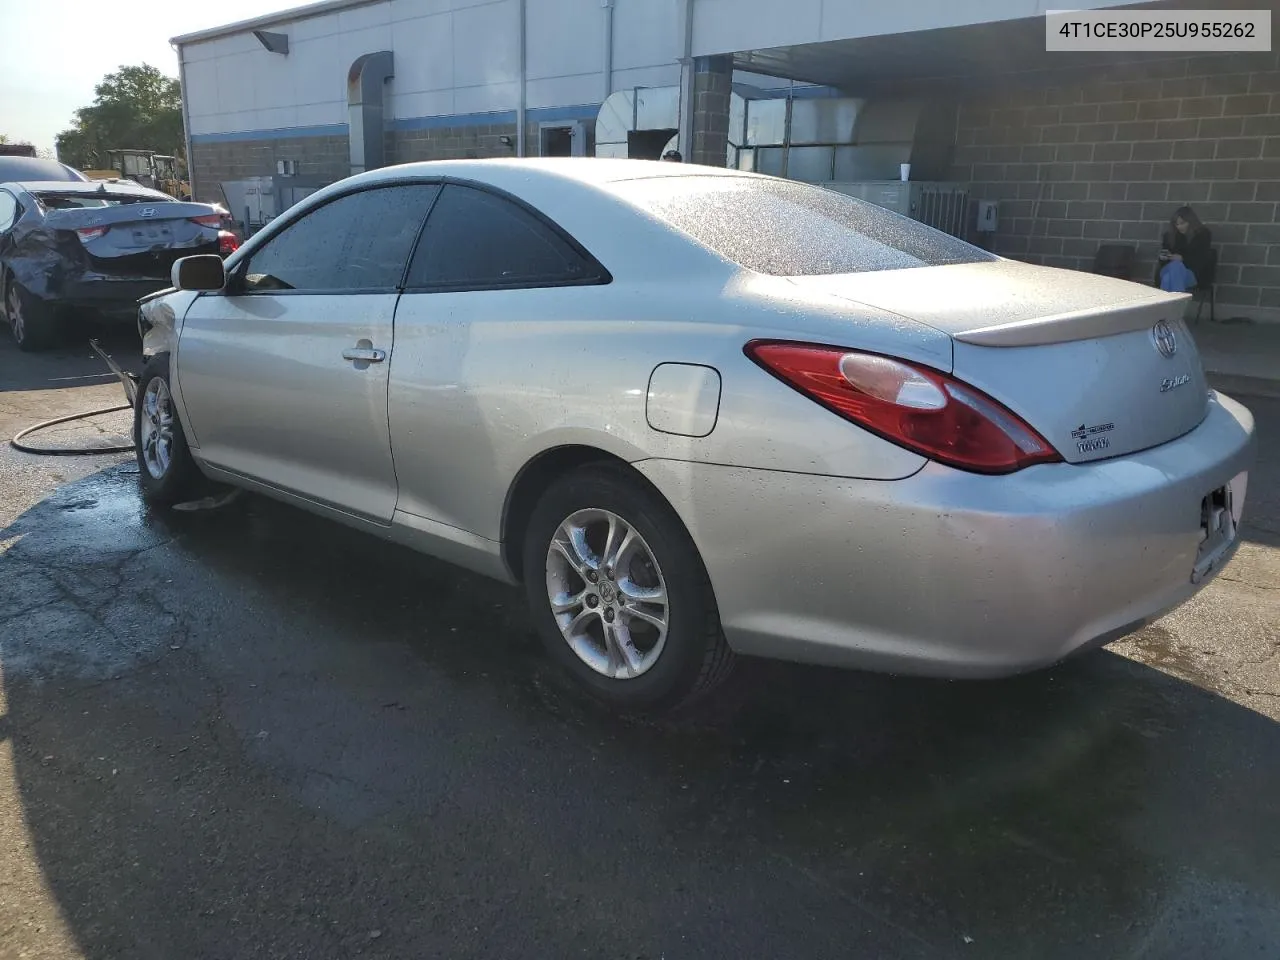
(275, 133)
(582, 111)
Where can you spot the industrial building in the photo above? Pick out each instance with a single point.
(1039, 156)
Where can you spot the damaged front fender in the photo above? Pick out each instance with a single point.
(158, 318)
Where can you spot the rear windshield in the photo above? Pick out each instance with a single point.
(792, 229)
(19, 169)
(77, 201)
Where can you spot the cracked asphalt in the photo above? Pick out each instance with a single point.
(251, 733)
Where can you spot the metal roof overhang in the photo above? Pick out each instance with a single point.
(271, 20)
(974, 56)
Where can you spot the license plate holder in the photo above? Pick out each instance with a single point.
(1220, 512)
(151, 235)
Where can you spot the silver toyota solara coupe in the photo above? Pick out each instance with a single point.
(699, 413)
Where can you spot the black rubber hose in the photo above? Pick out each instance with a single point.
(17, 443)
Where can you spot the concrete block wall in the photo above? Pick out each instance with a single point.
(712, 92)
(329, 156)
(219, 160)
(1108, 157)
(472, 142)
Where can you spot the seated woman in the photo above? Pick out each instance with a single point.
(1184, 252)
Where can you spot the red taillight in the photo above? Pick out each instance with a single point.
(90, 233)
(209, 220)
(915, 407)
(228, 242)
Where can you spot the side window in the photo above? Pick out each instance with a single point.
(478, 240)
(360, 241)
(8, 210)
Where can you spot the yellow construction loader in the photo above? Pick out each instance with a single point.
(156, 170)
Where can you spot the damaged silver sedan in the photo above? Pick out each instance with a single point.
(91, 250)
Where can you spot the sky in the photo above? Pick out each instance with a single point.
(56, 51)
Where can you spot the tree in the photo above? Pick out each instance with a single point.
(133, 108)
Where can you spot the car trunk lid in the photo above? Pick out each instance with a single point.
(1100, 367)
(140, 238)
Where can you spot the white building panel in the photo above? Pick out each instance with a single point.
(727, 26)
(431, 103)
(646, 33)
(201, 90)
(664, 76)
(564, 37)
(407, 9)
(221, 47)
(487, 98)
(564, 91)
(423, 48)
(362, 18)
(486, 47)
(318, 114)
(315, 72)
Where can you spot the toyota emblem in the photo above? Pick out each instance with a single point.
(147, 212)
(1165, 340)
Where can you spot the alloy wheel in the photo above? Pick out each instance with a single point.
(13, 306)
(607, 593)
(155, 428)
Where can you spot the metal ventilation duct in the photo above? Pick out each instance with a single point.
(366, 97)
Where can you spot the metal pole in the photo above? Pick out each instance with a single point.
(786, 130)
(186, 119)
(687, 83)
(608, 48)
(521, 110)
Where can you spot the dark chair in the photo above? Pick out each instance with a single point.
(1203, 290)
(1115, 260)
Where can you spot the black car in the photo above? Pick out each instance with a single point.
(79, 248)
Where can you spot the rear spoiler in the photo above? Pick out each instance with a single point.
(1087, 324)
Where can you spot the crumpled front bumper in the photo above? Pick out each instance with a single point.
(954, 574)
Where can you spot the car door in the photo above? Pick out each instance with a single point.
(283, 375)
(487, 275)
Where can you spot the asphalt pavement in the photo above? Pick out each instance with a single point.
(252, 733)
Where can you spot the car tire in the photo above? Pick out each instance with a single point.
(648, 669)
(167, 473)
(33, 323)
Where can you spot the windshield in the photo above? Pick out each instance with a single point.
(76, 201)
(791, 229)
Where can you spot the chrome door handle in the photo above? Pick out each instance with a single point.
(367, 354)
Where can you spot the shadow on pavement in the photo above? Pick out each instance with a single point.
(73, 364)
(253, 733)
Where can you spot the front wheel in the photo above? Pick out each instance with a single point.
(619, 593)
(167, 473)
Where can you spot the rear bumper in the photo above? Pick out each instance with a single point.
(952, 574)
(114, 297)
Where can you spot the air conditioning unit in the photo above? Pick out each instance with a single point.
(943, 206)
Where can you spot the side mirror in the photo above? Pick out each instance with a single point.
(203, 272)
